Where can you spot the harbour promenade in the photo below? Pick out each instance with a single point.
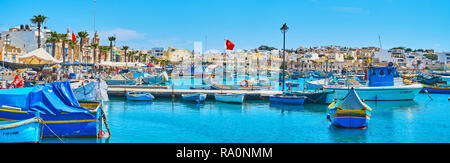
(166, 92)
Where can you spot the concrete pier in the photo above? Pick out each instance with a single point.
(176, 93)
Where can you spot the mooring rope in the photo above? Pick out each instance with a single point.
(44, 124)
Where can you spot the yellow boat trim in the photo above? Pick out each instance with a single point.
(53, 122)
(72, 121)
(4, 119)
(13, 111)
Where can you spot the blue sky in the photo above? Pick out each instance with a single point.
(143, 24)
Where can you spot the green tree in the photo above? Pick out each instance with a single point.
(265, 47)
(64, 39)
(82, 35)
(431, 56)
(349, 57)
(54, 38)
(103, 53)
(39, 20)
(125, 48)
(111, 40)
(94, 47)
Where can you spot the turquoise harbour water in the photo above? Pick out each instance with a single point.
(166, 121)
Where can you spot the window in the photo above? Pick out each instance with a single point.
(381, 72)
(389, 71)
(374, 73)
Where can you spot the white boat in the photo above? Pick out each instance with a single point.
(197, 97)
(388, 93)
(228, 97)
(380, 87)
(317, 84)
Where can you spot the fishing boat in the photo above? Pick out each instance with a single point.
(121, 79)
(139, 96)
(314, 97)
(351, 112)
(197, 97)
(437, 88)
(90, 90)
(244, 85)
(59, 110)
(24, 131)
(202, 88)
(317, 84)
(287, 99)
(155, 79)
(380, 87)
(228, 97)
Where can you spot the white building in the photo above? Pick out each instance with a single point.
(444, 57)
(25, 37)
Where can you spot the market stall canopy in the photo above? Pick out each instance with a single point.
(38, 56)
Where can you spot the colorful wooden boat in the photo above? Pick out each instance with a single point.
(232, 98)
(197, 97)
(139, 96)
(24, 131)
(287, 99)
(441, 88)
(61, 113)
(350, 112)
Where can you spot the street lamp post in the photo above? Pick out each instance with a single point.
(284, 29)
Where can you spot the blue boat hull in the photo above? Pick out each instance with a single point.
(296, 101)
(437, 90)
(26, 131)
(350, 122)
(63, 125)
(194, 97)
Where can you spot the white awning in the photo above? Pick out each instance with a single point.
(38, 56)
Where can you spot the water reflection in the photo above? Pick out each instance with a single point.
(340, 135)
(286, 108)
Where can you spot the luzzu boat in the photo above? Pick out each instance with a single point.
(437, 88)
(380, 87)
(25, 131)
(61, 114)
(350, 112)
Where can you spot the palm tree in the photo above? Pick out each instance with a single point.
(54, 38)
(130, 56)
(63, 38)
(111, 39)
(72, 44)
(95, 47)
(125, 48)
(83, 35)
(39, 19)
(103, 52)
